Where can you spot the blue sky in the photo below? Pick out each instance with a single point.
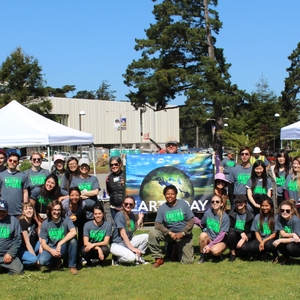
(84, 42)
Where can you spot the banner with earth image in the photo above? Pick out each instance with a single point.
(148, 174)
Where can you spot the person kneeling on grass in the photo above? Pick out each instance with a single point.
(216, 225)
(125, 247)
(174, 223)
(96, 237)
(240, 224)
(58, 238)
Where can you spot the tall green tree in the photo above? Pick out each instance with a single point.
(60, 92)
(179, 57)
(104, 92)
(289, 99)
(21, 79)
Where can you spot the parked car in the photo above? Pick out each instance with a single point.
(45, 163)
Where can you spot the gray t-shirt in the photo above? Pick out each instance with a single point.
(174, 218)
(9, 229)
(89, 184)
(212, 223)
(36, 178)
(239, 176)
(55, 232)
(12, 186)
(227, 164)
(120, 222)
(289, 226)
(96, 233)
(259, 189)
(291, 187)
(280, 181)
(240, 221)
(265, 231)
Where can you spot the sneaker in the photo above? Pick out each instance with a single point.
(83, 262)
(115, 261)
(94, 262)
(158, 262)
(286, 262)
(232, 258)
(142, 261)
(201, 260)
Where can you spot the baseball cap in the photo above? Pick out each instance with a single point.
(241, 198)
(59, 157)
(172, 141)
(84, 161)
(3, 205)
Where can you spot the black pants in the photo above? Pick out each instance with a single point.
(234, 237)
(291, 249)
(94, 253)
(253, 247)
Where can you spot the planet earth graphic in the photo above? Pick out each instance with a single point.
(154, 183)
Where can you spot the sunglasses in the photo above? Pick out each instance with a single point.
(12, 160)
(245, 154)
(215, 201)
(128, 204)
(36, 159)
(288, 211)
(114, 165)
(220, 181)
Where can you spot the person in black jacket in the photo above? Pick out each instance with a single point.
(240, 225)
(115, 185)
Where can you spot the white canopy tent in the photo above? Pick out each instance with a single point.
(21, 127)
(290, 132)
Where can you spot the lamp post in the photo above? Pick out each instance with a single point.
(275, 116)
(120, 127)
(81, 113)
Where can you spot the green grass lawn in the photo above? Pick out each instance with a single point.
(223, 280)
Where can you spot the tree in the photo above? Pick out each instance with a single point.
(179, 58)
(290, 95)
(60, 92)
(85, 95)
(21, 79)
(104, 93)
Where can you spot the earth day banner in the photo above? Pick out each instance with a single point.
(148, 174)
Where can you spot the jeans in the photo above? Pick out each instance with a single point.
(28, 258)
(68, 249)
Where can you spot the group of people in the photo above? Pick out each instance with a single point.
(45, 217)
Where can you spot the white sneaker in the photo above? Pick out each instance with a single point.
(142, 261)
(83, 262)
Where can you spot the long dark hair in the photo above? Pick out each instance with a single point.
(285, 154)
(270, 216)
(68, 175)
(53, 194)
(263, 175)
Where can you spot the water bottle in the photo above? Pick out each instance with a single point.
(104, 194)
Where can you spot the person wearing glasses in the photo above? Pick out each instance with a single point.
(59, 166)
(36, 175)
(115, 185)
(214, 234)
(126, 248)
(173, 223)
(13, 186)
(58, 239)
(88, 185)
(240, 174)
(172, 146)
(288, 225)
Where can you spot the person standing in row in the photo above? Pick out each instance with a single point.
(59, 164)
(13, 186)
(36, 175)
(257, 156)
(3, 157)
(115, 185)
(291, 189)
(240, 174)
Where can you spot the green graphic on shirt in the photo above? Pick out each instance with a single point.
(37, 179)
(259, 190)
(287, 229)
(13, 182)
(230, 163)
(132, 225)
(174, 216)
(97, 235)
(280, 181)
(56, 234)
(266, 229)
(240, 224)
(85, 186)
(242, 178)
(43, 201)
(213, 224)
(4, 231)
(292, 186)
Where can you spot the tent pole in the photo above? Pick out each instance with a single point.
(49, 158)
(93, 155)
